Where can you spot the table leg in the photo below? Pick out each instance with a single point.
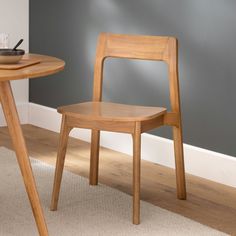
(13, 123)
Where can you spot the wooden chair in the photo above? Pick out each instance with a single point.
(97, 115)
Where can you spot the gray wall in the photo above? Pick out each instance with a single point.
(207, 36)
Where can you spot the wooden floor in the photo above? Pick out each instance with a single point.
(208, 203)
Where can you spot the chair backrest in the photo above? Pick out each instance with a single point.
(138, 47)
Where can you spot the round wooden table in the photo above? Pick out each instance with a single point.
(46, 66)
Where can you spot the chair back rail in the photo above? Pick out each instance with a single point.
(157, 48)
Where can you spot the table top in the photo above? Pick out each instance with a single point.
(48, 65)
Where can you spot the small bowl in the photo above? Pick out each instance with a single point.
(9, 56)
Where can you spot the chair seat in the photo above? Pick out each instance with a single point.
(111, 111)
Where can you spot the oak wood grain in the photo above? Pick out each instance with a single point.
(94, 157)
(64, 135)
(107, 111)
(24, 62)
(136, 172)
(48, 65)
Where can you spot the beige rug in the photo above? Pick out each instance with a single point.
(83, 210)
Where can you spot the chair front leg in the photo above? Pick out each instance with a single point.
(136, 172)
(179, 163)
(94, 157)
(62, 146)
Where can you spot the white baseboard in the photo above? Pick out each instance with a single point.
(22, 109)
(198, 161)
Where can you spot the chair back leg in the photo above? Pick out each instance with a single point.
(136, 173)
(94, 157)
(179, 163)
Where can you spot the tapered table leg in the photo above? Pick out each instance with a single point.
(13, 123)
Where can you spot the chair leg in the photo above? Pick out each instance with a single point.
(136, 173)
(179, 163)
(94, 157)
(64, 134)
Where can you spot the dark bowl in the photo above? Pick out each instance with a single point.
(9, 56)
